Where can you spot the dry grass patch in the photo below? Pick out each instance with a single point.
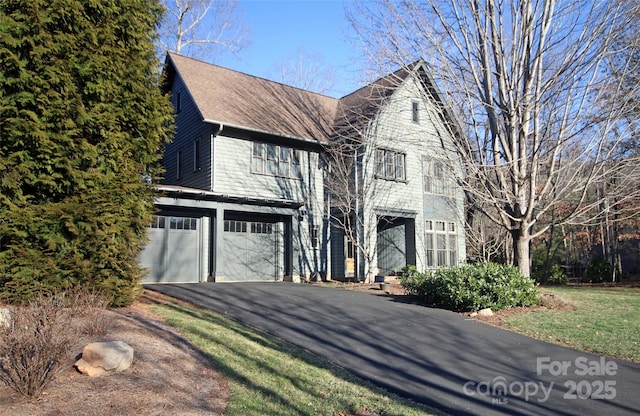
(168, 376)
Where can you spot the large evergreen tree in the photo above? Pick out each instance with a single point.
(82, 126)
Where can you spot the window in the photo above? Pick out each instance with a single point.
(399, 165)
(178, 103)
(179, 164)
(390, 165)
(261, 228)
(415, 115)
(380, 163)
(196, 155)
(296, 171)
(157, 222)
(314, 236)
(258, 159)
(284, 164)
(274, 160)
(182, 223)
(441, 244)
(232, 226)
(435, 180)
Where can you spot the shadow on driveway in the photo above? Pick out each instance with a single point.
(432, 356)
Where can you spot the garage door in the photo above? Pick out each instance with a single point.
(173, 251)
(252, 250)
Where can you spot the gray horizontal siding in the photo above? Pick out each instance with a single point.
(189, 127)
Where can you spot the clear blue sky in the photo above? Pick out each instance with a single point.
(280, 28)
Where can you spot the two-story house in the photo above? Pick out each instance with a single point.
(405, 206)
(244, 195)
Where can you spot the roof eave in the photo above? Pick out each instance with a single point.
(260, 131)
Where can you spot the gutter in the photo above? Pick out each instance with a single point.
(271, 133)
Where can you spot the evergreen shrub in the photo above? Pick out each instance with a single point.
(471, 287)
(83, 122)
(557, 276)
(599, 270)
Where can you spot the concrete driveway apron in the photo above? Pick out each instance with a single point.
(433, 356)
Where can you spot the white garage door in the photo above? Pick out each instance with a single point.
(173, 253)
(252, 250)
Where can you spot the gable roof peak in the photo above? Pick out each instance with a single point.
(230, 97)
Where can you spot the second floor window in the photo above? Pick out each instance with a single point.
(390, 165)
(435, 179)
(196, 155)
(271, 159)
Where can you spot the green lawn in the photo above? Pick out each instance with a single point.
(606, 321)
(269, 377)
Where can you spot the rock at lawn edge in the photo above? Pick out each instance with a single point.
(100, 358)
(5, 317)
(485, 312)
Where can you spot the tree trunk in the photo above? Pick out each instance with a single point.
(521, 251)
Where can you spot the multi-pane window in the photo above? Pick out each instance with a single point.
(258, 158)
(390, 165)
(183, 223)
(232, 226)
(435, 179)
(271, 159)
(157, 221)
(441, 244)
(314, 236)
(261, 228)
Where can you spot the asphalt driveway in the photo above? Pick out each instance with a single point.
(433, 356)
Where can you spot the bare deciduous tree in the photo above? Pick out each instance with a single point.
(525, 77)
(306, 70)
(355, 193)
(202, 28)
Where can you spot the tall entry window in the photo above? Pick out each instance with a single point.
(441, 244)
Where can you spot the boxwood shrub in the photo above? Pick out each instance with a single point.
(471, 287)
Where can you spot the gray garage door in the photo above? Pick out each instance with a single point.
(173, 252)
(252, 250)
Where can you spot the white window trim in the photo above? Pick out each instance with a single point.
(450, 249)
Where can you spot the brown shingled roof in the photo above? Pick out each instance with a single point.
(226, 96)
(231, 97)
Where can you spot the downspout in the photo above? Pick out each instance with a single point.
(212, 153)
